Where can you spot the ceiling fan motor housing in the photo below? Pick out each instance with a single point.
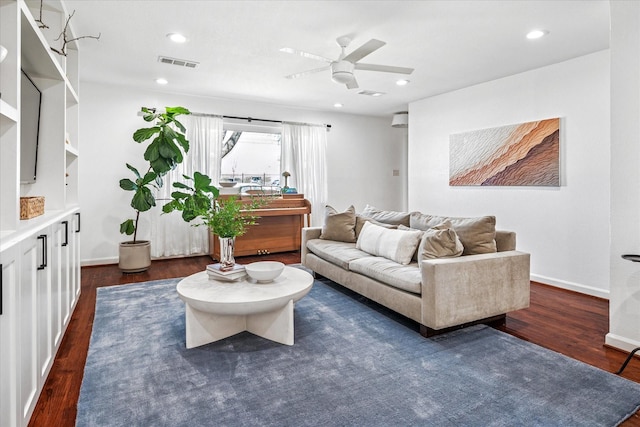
(342, 72)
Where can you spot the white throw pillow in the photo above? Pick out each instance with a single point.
(396, 245)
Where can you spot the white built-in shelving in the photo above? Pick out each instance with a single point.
(56, 76)
(39, 257)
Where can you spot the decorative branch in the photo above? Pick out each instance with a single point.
(62, 51)
(39, 20)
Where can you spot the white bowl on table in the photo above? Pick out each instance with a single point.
(264, 271)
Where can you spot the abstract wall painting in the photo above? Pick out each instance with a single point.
(525, 154)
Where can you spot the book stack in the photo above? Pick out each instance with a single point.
(237, 273)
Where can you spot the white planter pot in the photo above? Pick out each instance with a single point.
(135, 257)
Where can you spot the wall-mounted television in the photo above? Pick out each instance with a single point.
(30, 100)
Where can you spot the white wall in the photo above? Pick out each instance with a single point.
(362, 153)
(566, 229)
(624, 304)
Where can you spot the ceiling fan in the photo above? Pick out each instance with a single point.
(343, 67)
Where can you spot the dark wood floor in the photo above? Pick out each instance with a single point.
(563, 321)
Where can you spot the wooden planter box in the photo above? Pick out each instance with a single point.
(31, 207)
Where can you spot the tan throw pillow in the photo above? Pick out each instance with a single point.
(476, 234)
(387, 217)
(360, 220)
(339, 226)
(395, 245)
(440, 241)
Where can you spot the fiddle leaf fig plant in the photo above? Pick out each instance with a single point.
(164, 153)
(228, 217)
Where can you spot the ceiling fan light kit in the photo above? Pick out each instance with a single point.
(342, 72)
(342, 69)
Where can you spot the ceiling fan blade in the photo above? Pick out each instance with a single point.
(305, 73)
(364, 50)
(384, 68)
(306, 54)
(353, 84)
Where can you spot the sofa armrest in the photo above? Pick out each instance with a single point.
(473, 287)
(308, 233)
(505, 240)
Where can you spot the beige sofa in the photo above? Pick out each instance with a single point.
(440, 293)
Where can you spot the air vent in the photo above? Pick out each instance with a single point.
(370, 93)
(179, 62)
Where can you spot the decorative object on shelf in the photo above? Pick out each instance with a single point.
(3, 53)
(227, 218)
(264, 271)
(31, 207)
(39, 20)
(62, 51)
(166, 150)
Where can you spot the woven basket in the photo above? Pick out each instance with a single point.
(31, 207)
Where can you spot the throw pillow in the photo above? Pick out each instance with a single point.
(440, 241)
(387, 217)
(415, 254)
(339, 226)
(360, 220)
(476, 234)
(396, 245)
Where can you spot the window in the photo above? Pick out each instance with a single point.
(251, 157)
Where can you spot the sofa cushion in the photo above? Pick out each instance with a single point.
(388, 217)
(338, 253)
(339, 226)
(440, 241)
(476, 234)
(396, 245)
(405, 277)
(360, 220)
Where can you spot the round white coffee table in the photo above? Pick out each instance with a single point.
(215, 309)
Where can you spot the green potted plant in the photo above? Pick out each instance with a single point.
(165, 151)
(227, 218)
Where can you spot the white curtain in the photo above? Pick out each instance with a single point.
(170, 235)
(304, 156)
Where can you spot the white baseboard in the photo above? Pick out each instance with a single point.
(622, 343)
(583, 289)
(98, 261)
(114, 260)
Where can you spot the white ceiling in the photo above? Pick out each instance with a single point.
(451, 45)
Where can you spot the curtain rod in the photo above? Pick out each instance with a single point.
(251, 119)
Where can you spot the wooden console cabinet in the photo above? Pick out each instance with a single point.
(278, 228)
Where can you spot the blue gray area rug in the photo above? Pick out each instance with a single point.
(351, 365)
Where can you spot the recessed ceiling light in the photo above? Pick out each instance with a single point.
(162, 81)
(177, 38)
(536, 34)
(402, 82)
(337, 105)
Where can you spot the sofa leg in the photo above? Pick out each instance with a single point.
(495, 321)
(317, 276)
